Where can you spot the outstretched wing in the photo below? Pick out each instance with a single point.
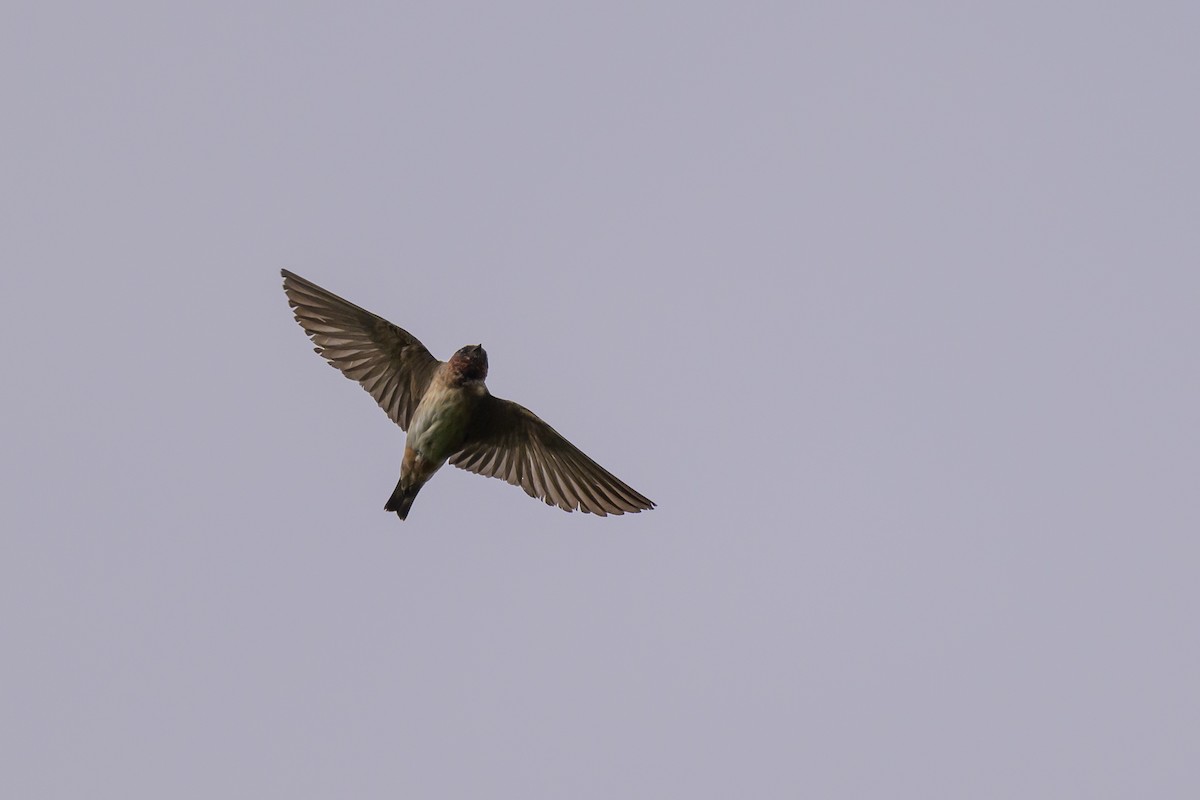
(388, 361)
(510, 442)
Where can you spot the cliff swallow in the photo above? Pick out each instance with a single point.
(448, 413)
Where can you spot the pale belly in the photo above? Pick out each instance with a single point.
(440, 423)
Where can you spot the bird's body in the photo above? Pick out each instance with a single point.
(437, 431)
(440, 424)
(448, 412)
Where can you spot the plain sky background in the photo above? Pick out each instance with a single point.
(892, 308)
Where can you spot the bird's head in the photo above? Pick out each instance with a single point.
(470, 363)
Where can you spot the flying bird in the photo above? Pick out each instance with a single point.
(448, 413)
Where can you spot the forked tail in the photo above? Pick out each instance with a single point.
(402, 499)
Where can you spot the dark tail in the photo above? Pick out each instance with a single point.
(402, 499)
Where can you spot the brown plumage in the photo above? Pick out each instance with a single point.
(448, 413)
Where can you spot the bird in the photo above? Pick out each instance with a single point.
(447, 412)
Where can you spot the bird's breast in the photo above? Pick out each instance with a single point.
(439, 424)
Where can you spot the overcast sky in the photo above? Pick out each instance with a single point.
(892, 308)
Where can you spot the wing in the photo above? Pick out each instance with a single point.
(510, 442)
(389, 362)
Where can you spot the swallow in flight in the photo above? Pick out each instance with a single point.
(448, 412)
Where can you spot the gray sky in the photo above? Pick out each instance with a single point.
(892, 308)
